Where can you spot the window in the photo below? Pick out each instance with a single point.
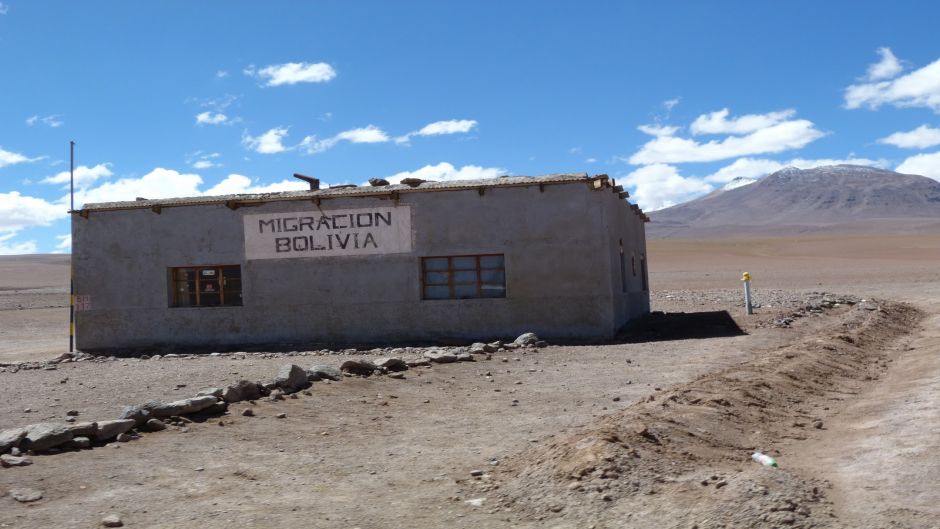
(206, 286)
(623, 269)
(646, 283)
(633, 263)
(463, 277)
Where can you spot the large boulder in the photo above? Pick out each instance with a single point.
(361, 367)
(242, 390)
(324, 372)
(45, 435)
(291, 378)
(111, 429)
(11, 438)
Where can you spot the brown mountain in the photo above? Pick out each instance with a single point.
(832, 199)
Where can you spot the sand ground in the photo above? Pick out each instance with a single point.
(379, 452)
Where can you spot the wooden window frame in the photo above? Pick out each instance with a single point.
(478, 270)
(220, 270)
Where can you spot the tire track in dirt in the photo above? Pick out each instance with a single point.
(680, 458)
(881, 452)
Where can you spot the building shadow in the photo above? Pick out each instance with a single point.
(659, 326)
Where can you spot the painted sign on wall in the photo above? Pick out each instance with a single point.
(366, 231)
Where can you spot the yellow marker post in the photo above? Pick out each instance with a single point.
(746, 277)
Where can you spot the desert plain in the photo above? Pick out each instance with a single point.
(836, 375)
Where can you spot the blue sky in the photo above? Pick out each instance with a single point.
(673, 99)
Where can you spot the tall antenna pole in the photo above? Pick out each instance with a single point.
(71, 257)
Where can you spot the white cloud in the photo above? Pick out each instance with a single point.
(918, 88)
(293, 73)
(922, 164)
(889, 66)
(4, 8)
(670, 104)
(591, 160)
(159, 183)
(368, 134)
(10, 158)
(920, 138)
(658, 130)
(221, 74)
(659, 186)
(65, 242)
(235, 184)
(778, 133)
(204, 164)
(25, 247)
(18, 211)
(213, 118)
(757, 167)
(271, 142)
(718, 123)
(53, 121)
(84, 175)
(451, 126)
(445, 172)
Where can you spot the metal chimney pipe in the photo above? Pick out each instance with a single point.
(314, 182)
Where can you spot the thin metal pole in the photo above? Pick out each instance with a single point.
(71, 257)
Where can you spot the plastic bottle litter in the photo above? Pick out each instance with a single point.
(764, 459)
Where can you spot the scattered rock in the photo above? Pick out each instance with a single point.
(464, 356)
(417, 362)
(111, 429)
(476, 473)
(181, 407)
(210, 392)
(6, 461)
(11, 438)
(137, 414)
(155, 425)
(80, 443)
(412, 182)
(25, 495)
(398, 375)
(291, 378)
(438, 356)
(361, 367)
(46, 435)
(378, 182)
(124, 437)
(481, 348)
(248, 412)
(324, 372)
(541, 344)
(391, 364)
(112, 520)
(83, 429)
(242, 390)
(528, 338)
(281, 416)
(72, 413)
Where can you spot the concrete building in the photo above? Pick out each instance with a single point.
(562, 255)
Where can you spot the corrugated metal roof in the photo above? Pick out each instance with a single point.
(503, 181)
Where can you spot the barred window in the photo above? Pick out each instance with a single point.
(463, 277)
(206, 286)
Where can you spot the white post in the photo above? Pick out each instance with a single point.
(746, 277)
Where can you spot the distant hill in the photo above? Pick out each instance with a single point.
(832, 199)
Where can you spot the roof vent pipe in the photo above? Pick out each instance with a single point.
(314, 182)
